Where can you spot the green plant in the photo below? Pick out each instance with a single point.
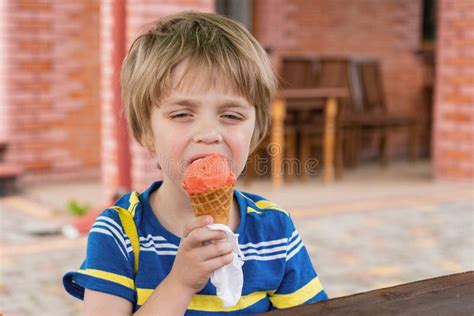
(76, 208)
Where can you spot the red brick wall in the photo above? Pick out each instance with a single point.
(52, 94)
(453, 141)
(139, 14)
(389, 30)
(53, 54)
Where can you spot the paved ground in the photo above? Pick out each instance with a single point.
(377, 228)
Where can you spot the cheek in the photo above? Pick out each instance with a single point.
(239, 143)
(169, 150)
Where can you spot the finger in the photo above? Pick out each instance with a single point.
(199, 236)
(218, 262)
(216, 249)
(197, 222)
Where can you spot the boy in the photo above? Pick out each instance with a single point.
(195, 84)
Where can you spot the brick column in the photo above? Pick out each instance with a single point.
(453, 135)
(109, 171)
(3, 64)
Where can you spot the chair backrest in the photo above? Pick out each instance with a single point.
(298, 72)
(367, 80)
(333, 72)
(338, 72)
(362, 76)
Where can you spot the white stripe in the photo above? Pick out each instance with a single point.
(114, 231)
(264, 243)
(247, 258)
(295, 233)
(155, 238)
(265, 258)
(107, 219)
(294, 238)
(114, 223)
(160, 252)
(266, 250)
(158, 245)
(294, 243)
(106, 232)
(294, 252)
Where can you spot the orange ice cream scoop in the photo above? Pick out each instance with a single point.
(209, 182)
(207, 173)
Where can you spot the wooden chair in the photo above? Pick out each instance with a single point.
(309, 72)
(370, 115)
(294, 72)
(363, 115)
(329, 72)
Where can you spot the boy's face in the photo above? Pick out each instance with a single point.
(200, 115)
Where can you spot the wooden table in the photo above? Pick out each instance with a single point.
(305, 99)
(447, 295)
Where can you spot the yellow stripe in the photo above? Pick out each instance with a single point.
(108, 276)
(143, 295)
(134, 200)
(270, 205)
(298, 297)
(209, 303)
(251, 210)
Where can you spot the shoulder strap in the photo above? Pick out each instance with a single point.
(129, 226)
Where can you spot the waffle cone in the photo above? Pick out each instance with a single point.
(214, 202)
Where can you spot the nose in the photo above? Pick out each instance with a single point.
(207, 132)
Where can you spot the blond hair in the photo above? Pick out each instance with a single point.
(205, 40)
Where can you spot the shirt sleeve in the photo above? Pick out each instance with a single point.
(108, 266)
(300, 283)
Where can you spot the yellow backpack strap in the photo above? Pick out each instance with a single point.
(129, 226)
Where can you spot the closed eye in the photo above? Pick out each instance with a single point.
(179, 115)
(233, 117)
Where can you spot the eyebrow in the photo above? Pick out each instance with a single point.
(229, 103)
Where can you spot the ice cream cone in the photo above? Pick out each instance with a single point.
(215, 202)
(209, 183)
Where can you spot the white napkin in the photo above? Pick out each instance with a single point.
(229, 279)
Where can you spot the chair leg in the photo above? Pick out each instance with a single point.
(348, 146)
(413, 134)
(340, 154)
(305, 151)
(384, 146)
(357, 136)
(290, 144)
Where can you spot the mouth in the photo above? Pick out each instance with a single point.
(199, 156)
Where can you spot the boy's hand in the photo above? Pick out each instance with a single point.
(198, 257)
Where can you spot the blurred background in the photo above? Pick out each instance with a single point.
(388, 199)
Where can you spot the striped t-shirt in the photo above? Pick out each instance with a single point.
(277, 270)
